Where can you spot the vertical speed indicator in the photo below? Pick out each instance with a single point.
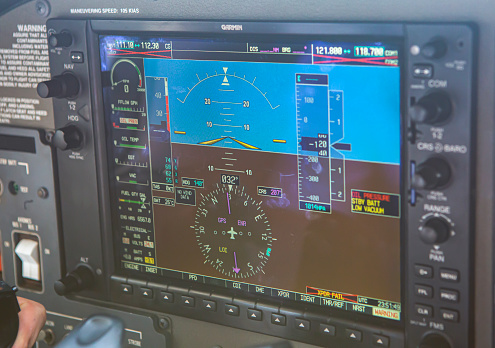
(233, 232)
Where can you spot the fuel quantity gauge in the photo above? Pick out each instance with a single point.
(233, 232)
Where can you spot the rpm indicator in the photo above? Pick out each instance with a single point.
(233, 232)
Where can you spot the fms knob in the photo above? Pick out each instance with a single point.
(434, 49)
(63, 39)
(79, 279)
(434, 108)
(431, 174)
(434, 341)
(67, 138)
(435, 231)
(61, 86)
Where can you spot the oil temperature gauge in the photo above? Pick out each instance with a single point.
(233, 232)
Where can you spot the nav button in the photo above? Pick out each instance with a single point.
(77, 57)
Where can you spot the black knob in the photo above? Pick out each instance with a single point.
(61, 86)
(434, 49)
(432, 174)
(435, 231)
(433, 108)
(434, 341)
(79, 279)
(69, 137)
(63, 39)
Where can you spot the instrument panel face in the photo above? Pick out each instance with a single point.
(262, 165)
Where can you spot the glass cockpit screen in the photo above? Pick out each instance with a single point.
(270, 167)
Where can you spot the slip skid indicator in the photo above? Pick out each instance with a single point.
(313, 142)
(375, 203)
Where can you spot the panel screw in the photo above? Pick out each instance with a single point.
(42, 8)
(163, 323)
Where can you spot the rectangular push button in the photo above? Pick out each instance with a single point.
(449, 275)
(423, 310)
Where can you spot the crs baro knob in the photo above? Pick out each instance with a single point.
(431, 174)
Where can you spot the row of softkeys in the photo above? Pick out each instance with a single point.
(251, 313)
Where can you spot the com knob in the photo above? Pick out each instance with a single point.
(434, 108)
(434, 49)
(434, 341)
(432, 174)
(61, 86)
(79, 279)
(68, 138)
(63, 39)
(435, 231)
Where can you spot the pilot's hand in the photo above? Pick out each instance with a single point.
(32, 318)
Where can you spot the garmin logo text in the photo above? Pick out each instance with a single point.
(231, 27)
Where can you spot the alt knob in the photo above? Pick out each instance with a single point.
(434, 49)
(434, 341)
(67, 138)
(435, 231)
(79, 279)
(61, 86)
(434, 108)
(63, 39)
(432, 174)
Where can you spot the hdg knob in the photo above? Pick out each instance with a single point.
(67, 138)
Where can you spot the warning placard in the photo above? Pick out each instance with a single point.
(375, 203)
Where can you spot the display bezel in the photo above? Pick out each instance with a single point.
(272, 31)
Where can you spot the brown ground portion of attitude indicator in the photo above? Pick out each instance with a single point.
(342, 251)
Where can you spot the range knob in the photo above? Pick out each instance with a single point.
(63, 39)
(435, 231)
(434, 49)
(79, 279)
(61, 86)
(67, 138)
(434, 108)
(432, 174)
(434, 341)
